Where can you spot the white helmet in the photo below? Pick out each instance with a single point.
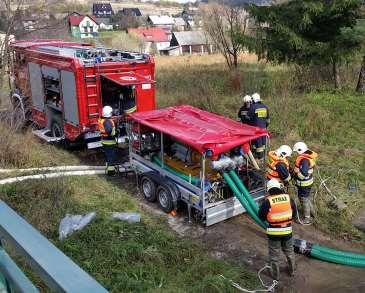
(247, 99)
(273, 183)
(256, 98)
(284, 151)
(300, 147)
(107, 111)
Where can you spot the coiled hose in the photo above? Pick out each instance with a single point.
(301, 246)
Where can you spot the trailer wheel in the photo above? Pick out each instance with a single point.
(165, 198)
(57, 127)
(148, 188)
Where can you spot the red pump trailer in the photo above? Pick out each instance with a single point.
(62, 86)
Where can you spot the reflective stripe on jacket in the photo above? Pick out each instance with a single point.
(259, 115)
(107, 138)
(300, 179)
(280, 215)
(274, 159)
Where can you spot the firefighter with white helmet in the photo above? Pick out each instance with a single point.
(259, 117)
(107, 130)
(278, 164)
(243, 111)
(303, 176)
(278, 210)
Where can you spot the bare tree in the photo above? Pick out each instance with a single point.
(224, 24)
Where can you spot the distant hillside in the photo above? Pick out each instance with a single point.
(256, 2)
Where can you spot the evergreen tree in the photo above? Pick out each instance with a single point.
(309, 32)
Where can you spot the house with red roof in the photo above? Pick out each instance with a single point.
(83, 26)
(154, 39)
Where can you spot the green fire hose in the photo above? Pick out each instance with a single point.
(243, 190)
(243, 200)
(337, 258)
(346, 254)
(300, 246)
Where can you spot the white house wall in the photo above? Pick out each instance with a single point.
(162, 45)
(83, 23)
(107, 27)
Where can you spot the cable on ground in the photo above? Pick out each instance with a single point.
(269, 288)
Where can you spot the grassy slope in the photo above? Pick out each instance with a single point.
(330, 122)
(119, 39)
(143, 257)
(146, 256)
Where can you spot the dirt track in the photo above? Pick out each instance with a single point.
(240, 240)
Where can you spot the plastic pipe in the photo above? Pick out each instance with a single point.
(51, 175)
(339, 253)
(244, 191)
(57, 168)
(192, 179)
(243, 200)
(337, 259)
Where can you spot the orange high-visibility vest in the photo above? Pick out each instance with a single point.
(280, 215)
(102, 129)
(106, 139)
(300, 179)
(271, 165)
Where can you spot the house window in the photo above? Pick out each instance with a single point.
(85, 29)
(87, 23)
(91, 29)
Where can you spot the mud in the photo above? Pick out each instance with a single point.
(240, 240)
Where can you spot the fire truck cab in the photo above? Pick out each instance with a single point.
(62, 86)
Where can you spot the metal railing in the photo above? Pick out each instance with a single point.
(56, 270)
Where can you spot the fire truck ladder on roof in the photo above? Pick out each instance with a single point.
(92, 91)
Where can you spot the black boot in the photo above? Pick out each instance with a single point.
(275, 271)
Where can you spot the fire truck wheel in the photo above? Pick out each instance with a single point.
(165, 198)
(148, 188)
(57, 127)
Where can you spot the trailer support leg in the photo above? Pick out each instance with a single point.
(189, 213)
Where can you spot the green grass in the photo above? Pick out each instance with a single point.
(123, 257)
(119, 40)
(148, 257)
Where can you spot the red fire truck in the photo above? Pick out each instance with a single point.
(62, 86)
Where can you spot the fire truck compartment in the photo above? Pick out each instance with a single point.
(186, 160)
(119, 90)
(63, 86)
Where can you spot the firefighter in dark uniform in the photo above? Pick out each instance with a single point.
(278, 210)
(243, 111)
(259, 117)
(303, 176)
(278, 165)
(107, 131)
